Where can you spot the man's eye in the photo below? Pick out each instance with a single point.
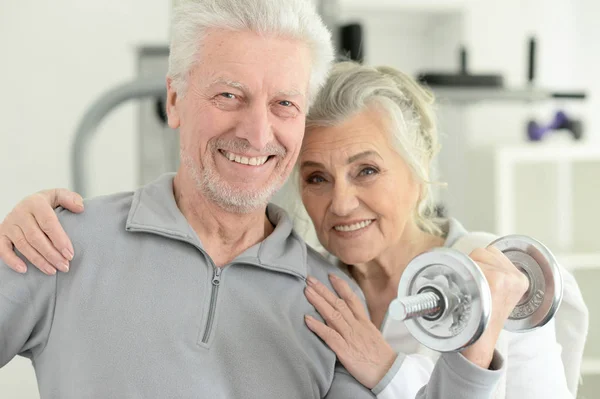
(228, 95)
(286, 103)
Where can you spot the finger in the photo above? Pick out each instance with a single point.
(501, 257)
(48, 222)
(483, 255)
(512, 268)
(9, 257)
(332, 317)
(331, 337)
(34, 234)
(334, 301)
(67, 199)
(352, 300)
(20, 242)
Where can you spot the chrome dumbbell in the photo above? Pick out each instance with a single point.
(446, 303)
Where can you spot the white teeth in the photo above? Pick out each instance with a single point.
(353, 227)
(254, 161)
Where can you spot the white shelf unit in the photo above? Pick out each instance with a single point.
(563, 158)
(561, 183)
(466, 95)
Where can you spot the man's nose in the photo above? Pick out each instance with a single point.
(344, 200)
(256, 127)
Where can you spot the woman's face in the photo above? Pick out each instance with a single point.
(358, 191)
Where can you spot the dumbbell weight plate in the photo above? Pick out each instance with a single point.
(542, 299)
(469, 299)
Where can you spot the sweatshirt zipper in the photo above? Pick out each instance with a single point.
(216, 281)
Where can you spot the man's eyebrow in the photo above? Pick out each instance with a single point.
(360, 155)
(290, 93)
(230, 83)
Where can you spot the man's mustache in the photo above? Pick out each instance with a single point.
(243, 146)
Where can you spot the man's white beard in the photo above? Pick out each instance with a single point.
(216, 190)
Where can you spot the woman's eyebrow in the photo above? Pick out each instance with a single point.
(311, 164)
(360, 155)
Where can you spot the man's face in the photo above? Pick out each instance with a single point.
(242, 117)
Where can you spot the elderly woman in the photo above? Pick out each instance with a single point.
(364, 179)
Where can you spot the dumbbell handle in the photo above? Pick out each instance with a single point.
(427, 303)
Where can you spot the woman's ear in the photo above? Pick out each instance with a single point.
(173, 117)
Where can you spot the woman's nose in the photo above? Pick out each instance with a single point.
(344, 200)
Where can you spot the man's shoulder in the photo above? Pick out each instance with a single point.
(98, 211)
(321, 267)
(316, 260)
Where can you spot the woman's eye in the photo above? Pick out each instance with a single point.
(228, 95)
(286, 103)
(316, 179)
(368, 171)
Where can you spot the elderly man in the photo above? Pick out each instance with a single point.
(192, 286)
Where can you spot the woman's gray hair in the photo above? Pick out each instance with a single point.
(352, 88)
(294, 19)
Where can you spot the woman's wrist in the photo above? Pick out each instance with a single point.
(481, 352)
(387, 361)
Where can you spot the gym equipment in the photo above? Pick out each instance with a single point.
(531, 72)
(464, 85)
(561, 122)
(461, 79)
(351, 42)
(141, 88)
(446, 303)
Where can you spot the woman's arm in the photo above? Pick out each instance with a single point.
(33, 229)
(361, 348)
(408, 375)
(535, 369)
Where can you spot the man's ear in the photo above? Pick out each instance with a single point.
(173, 119)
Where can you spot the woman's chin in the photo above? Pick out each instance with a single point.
(354, 256)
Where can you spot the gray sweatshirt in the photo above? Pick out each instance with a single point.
(144, 313)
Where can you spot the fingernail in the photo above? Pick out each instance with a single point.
(311, 280)
(51, 271)
(310, 291)
(68, 254)
(78, 201)
(333, 277)
(309, 319)
(64, 267)
(21, 268)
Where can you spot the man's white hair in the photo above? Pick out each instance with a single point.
(294, 19)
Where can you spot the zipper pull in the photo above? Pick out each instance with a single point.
(217, 276)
